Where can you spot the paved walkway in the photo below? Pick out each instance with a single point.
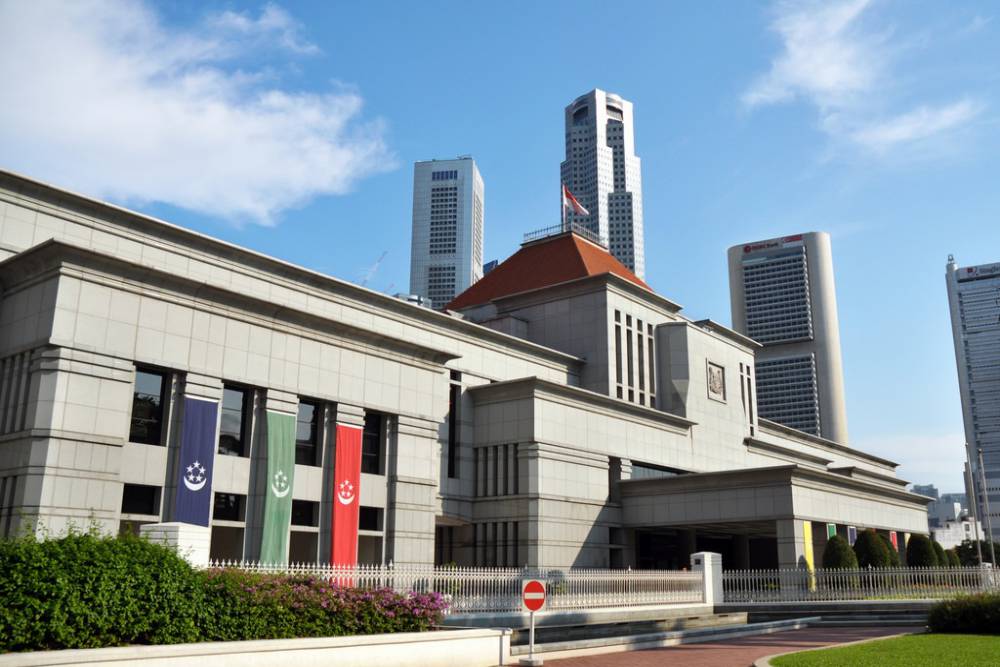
(729, 653)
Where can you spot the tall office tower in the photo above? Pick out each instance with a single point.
(783, 297)
(974, 299)
(602, 171)
(446, 249)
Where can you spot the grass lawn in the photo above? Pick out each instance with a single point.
(910, 651)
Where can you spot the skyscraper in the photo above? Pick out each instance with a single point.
(782, 296)
(446, 249)
(603, 172)
(974, 300)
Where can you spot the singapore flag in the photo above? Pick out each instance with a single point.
(570, 203)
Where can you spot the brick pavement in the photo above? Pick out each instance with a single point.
(729, 653)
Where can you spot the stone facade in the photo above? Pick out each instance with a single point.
(491, 448)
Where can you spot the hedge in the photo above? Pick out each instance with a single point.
(969, 614)
(871, 550)
(838, 555)
(920, 552)
(953, 559)
(87, 591)
(939, 554)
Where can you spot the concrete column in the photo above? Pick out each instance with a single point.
(791, 543)
(689, 541)
(711, 565)
(190, 541)
(411, 468)
(741, 549)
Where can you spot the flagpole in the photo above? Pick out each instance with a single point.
(562, 204)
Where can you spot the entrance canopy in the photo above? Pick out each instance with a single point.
(747, 496)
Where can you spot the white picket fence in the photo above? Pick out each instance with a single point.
(490, 589)
(898, 583)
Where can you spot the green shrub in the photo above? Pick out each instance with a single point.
(968, 554)
(939, 555)
(838, 555)
(920, 552)
(86, 591)
(968, 614)
(953, 560)
(893, 552)
(871, 550)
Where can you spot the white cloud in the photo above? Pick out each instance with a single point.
(824, 60)
(104, 97)
(273, 25)
(924, 458)
(918, 124)
(832, 60)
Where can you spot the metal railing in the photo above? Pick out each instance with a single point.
(897, 583)
(490, 589)
(576, 228)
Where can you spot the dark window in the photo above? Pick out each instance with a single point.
(369, 518)
(228, 507)
(233, 427)
(454, 396)
(140, 499)
(148, 401)
(304, 513)
(618, 354)
(371, 444)
(307, 434)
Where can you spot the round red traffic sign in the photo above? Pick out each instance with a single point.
(533, 594)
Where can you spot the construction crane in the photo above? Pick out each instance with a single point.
(373, 268)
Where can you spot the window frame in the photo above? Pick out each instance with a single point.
(166, 378)
(246, 408)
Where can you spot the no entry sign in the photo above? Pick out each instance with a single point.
(533, 595)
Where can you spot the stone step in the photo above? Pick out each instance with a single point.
(556, 633)
(654, 640)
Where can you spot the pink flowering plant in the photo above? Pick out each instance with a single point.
(244, 605)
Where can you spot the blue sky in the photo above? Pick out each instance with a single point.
(291, 128)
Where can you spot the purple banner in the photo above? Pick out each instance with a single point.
(194, 483)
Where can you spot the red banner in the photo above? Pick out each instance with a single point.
(346, 492)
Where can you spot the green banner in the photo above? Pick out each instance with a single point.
(280, 477)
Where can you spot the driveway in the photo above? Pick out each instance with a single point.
(731, 652)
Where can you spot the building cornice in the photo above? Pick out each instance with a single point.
(34, 193)
(784, 475)
(823, 443)
(53, 256)
(534, 386)
(766, 448)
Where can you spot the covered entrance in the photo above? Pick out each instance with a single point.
(761, 518)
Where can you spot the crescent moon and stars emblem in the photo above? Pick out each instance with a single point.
(345, 492)
(195, 477)
(279, 484)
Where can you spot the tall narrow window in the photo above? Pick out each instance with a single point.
(642, 358)
(618, 353)
(307, 434)
(371, 444)
(454, 397)
(628, 347)
(232, 430)
(148, 403)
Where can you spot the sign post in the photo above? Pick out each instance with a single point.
(532, 600)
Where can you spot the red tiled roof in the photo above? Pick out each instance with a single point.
(557, 259)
